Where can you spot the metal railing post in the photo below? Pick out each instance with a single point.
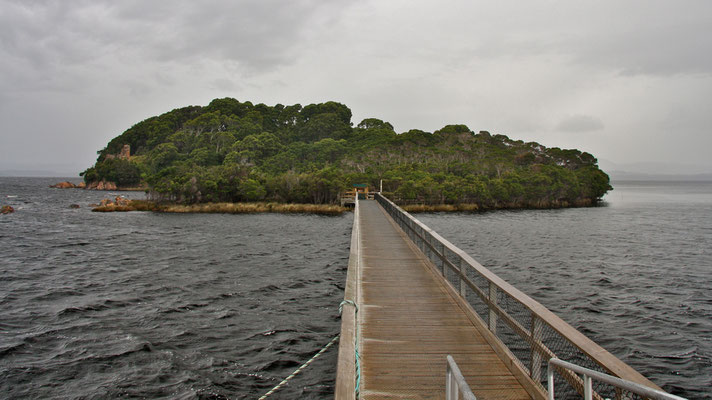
(587, 387)
(455, 383)
(448, 383)
(618, 383)
(550, 381)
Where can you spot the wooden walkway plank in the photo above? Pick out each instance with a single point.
(409, 323)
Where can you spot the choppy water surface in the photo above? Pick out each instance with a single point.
(635, 276)
(145, 305)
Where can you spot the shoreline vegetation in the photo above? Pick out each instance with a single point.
(221, 208)
(126, 205)
(473, 207)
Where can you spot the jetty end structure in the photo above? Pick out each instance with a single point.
(421, 319)
(359, 191)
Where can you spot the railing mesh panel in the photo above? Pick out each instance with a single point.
(514, 341)
(475, 301)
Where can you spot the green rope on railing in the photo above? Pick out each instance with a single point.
(357, 357)
(350, 302)
(301, 367)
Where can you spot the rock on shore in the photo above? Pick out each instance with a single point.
(100, 185)
(68, 185)
(120, 203)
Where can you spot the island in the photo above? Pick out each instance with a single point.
(236, 152)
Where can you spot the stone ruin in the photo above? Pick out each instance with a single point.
(124, 154)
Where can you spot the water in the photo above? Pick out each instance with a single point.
(144, 305)
(635, 275)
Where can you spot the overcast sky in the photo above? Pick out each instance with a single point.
(628, 81)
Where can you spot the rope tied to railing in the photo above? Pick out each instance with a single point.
(357, 356)
(345, 302)
(301, 367)
(323, 349)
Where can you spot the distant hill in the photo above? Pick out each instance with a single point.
(639, 176)
(237, 151)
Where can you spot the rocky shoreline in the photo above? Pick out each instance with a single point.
(100, 185)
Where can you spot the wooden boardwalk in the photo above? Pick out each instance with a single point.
(409, 321)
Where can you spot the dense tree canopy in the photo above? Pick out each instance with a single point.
(237, 151)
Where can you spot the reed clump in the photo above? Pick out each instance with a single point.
(226, 208)
(419, 208)
(113, 208)
(510, 205)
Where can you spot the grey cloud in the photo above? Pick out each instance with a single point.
(258, 35)
(636, 37)
(84, 70)
(675, 49)
(224, 84)
(652, 37)
(579, 123)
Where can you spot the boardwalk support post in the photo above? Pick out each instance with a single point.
(463, 271)
(492, 321)
(536, 335)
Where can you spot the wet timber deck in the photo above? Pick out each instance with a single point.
(409, 322)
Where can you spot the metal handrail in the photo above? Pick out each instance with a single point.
(530, 331)
(588, 374)
(455, 383)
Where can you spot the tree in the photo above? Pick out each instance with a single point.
(321, 126)
(163, 155)
(453, 129)
(342, 112)
(374, 123)
(252, 190)
(258, 147)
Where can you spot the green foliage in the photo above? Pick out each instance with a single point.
(236, 151)
(121, 172)
(374, 123)
(322, 126)
(255, 148)
(150, 132)
(453, 129)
